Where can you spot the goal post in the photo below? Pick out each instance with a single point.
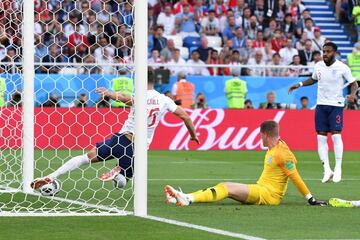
(140, 184)
(28, 96)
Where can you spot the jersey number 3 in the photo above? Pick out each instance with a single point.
(153, 113)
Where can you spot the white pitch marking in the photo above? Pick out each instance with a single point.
(203, 228)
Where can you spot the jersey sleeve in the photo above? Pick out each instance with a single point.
(314, 76)
(171, 106)
(348, 77)
(286, 161)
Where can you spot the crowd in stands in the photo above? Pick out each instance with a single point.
(182, 32)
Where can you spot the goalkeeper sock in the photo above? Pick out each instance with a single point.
(212, 194)
(323, 150)
(70, 165)
(338, 149)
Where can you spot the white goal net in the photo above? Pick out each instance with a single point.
(79, 46)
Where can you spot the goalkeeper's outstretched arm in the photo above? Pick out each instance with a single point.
(179, 112)
(116, 96)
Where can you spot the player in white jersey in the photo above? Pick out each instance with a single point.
(120, 145)
(332, 76)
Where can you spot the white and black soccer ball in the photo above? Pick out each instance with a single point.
(119, 181)
(50, 189)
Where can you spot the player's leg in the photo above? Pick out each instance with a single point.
(336, 125)
(236, 191)
(68, 166)
(123, 150)
(337, 202)
(322, 129)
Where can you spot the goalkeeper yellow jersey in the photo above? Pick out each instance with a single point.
(279, 164)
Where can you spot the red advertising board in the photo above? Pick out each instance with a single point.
(218, 129)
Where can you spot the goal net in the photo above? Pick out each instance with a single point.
(79, 46)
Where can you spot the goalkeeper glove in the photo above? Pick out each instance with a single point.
(313, 202)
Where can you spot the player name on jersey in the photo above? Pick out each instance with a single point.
(153, 101)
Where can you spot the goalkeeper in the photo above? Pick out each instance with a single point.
(120, 145)
(279, 166)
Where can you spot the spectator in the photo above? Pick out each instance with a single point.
(104, 44)
(219, 7)
(224, 20)
(235, 58)
(318, 40)
(271, 9)
(300, 26)
(204, 50)
(215, 59)
(106, 62)
(248, 104)
(246, 19)
(127, 16)
(200, 102)
(40, 49)
(296, 9)
(167, 51)
(300, 43)
(247, 52)
(210, 24)
(77, 45)
(183, 91)
(281, 12)
(295, 72)
(253, 28)
(53, 101)
(167, 20)
(304, 101)
(356, 16)
(158, 39)
(277, 41)
(195, 60)
(90, 67)
(185, 21)
(82, 102)
(259, 11)
(353, 60)
(155, 57)
(200, 9)
(270, 31)
(288, 25)
(11, 59)
(229, 31)
(180, 5)
(271, 102)
(52, 57)
(239, 40)
(287, 53)
(267, 52)
(177, 60)
(306, 55)
(111, 29)
(257, 64)
(276, 71)
(239, 8)
(70, 26)
(316, 58)
(15, 100)
(152, 18)
(309, 28)
(259, 41)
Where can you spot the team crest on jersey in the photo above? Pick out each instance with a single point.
(289, 165)
(269, 160)
(334, 72)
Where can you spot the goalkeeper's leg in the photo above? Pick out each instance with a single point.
(236, 191)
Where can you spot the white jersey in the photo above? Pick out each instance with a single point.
(157, 105)
(331, 81)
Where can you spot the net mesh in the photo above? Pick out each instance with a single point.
(79, 46)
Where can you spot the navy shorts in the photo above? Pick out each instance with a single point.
(328, 118)
(120, 147)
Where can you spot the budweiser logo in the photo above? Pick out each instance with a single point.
(214, 135)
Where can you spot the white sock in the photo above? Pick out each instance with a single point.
(323, 151)
(70, 165)
(338, 149)
(356, 203)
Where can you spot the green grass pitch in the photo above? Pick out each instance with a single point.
(293, 219)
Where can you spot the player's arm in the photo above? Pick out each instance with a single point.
(179, 112)
(116, 96)
(353, 89)
(307, 82)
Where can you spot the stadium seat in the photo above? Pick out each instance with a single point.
(214, 41)
(184, 52)
(189, 34)
(191, 42)
(177, 40)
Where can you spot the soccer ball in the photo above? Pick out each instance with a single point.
(119, 181)
(50, 189)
